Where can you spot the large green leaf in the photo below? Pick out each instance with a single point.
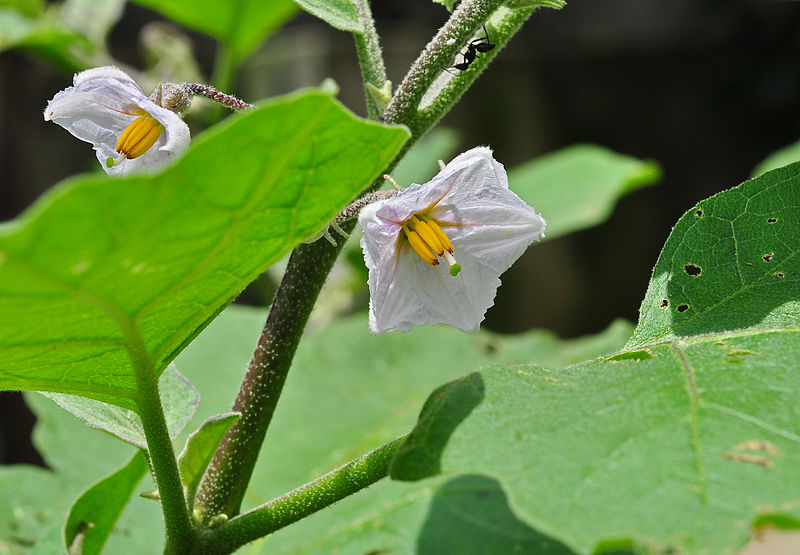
(242, 24)
(682, 441)
(105, 275)
(577, 187)
(329, 413)
(730, 263)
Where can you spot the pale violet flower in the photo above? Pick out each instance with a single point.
(129, 131)
(467, 216)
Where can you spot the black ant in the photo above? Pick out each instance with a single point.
(474, 46)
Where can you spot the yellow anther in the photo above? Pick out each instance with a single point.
(139, 136)
(440, 234)
(428, 234)
(420, 246)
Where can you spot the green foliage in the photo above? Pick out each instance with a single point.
(662, 430)
(341, 14)
(30, 8)
(93, 515)
(347, 420)
(241, 24)
(37, 501)
(178, 397)
(577, 187)
(730, 263)
(121, 274)
(55, 43)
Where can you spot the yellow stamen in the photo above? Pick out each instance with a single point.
(420, 247)
(441, 235)
(139, 136)
(427, 239)
(428, 234)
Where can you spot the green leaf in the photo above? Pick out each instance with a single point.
(661, 439)
(200, 448)
(327, 418)
(179, 399)
(93, 515)
(56, 44)
(782, 157)
(105, 275)
(691, 433)
(577, 187)
(242, 24)
(730, 263)
(37, 501)
(341, 14)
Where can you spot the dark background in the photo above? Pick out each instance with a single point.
(708, 88)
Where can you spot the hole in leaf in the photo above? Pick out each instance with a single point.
(768, 257)
(682, 307)
(664, 303)
(779, 274)
(637, 356)
(699, 213)
(772, 220)
(692, 269)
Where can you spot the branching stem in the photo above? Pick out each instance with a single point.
(303, 501)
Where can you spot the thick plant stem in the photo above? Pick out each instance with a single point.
(303, 501)
(370, 58)
(180, 533)
(225, 482)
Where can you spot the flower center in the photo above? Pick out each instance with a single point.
(429, 242)
(137, 138)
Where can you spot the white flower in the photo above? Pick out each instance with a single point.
(465, 215)
(128, 130)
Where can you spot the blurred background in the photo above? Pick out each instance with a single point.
(707, 88)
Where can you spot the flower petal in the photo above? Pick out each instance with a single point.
(489, 226)
(101, 104)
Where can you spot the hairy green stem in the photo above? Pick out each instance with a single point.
(224, 485)
(303, 501)
(180, 534)
(370, 58)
